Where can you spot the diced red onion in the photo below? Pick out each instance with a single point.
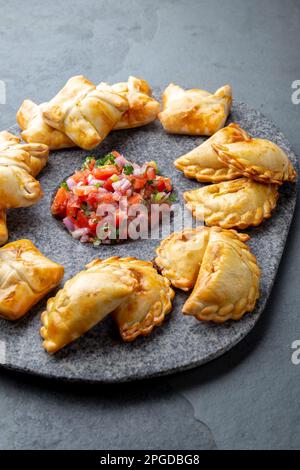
(71, 183)
(68, 224)
(80, 232)
(121, 161)
(85, 239)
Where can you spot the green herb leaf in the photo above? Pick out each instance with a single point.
(107, 159)
(128, 169)
(64, 185)
(87, 162)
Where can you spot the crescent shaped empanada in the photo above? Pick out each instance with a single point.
(143, 108)
(84, 301)
(35, 129)
(149, 303)
(195, 112)
(38, 153)
(26, 276)
(203, 164)
(83, 112)
(228, 281)
(259, 159)
(233, 204)
(180, 255)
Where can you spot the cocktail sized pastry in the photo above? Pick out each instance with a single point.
(3, 227)
(26, 276)
(195, 112)
(258, 159)
(203, 164)
(143, 108)
(179, 256)
(228, 281)
(35, 129)
(38, 153)
(84, 301)
(83, 112)
(233, 204)
(149, 303)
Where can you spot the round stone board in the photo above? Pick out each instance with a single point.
(181, 342)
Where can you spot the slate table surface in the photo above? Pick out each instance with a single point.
(248, 398)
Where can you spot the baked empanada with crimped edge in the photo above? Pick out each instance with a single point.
(180, 255)
(233, 204)
(83, 112)
(143, 108)
(38, 153)
(149, 303)
(26, 276)
(228, 281)
(84, 301)
(259, 159)
(195, 111)
(36, 130)
(203, 164)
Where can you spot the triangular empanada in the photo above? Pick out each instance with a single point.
(83, 112)
(203, 164)
(259, 159)
(233, 204)
(143, 108)
(84, 301)
(35, 129)
(149, 303)
(195, 112)
(26, 276)
(180, 255)
(228, 281)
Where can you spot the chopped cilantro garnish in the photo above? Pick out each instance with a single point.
(128, 169)
(172, 198)
(87, 162)
(107, 159)
(64, 185)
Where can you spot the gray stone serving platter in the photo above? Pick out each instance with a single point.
(181, 342)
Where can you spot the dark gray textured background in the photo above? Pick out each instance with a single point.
(248, 398)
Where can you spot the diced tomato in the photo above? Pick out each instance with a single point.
(138, 182)
(163, 184)
(81, 176)
(151, 173)
(106, 198)
(59, 204)
(104, 172)
(115, 153)
(82, 219)
(135, 199)
(108, 185)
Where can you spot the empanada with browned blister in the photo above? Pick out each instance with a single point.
(259, 159)
(84, 301)
(228, 281)
(195, 111)
(149, 303)
(83, 112)
(143, 108)
(237, 204)
(179, 256)
(36, 130)
(26, 276)
(203, 164)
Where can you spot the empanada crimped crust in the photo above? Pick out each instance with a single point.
(26, 276)
(149, 303)
(195, 111)
(259, 159)
(179, 256)
(83, 112)
(236, 204)
(228, 281)
(84, 301)
(143, 108)
(203, 164)
(36, 130)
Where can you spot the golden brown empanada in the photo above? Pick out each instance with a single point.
(180, 255)
(26, 276)
(203, 164)
(83, 112)
(3, 227)
(233, 204)
(35, 129)
(195, 112)
(259, 159)
(228, 281)
(38, 153)
(143, 108)
(149, 303)
(83, 302)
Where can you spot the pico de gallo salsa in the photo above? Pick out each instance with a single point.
(107, 180)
